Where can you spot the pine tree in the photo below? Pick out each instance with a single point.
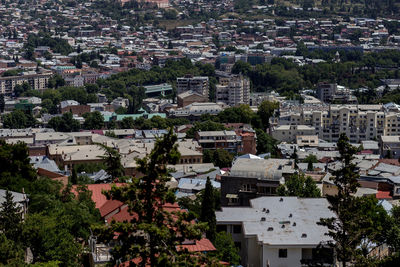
(344, 229)
(208, 211)
(2, 103)
(74, 176)
(113, 162)
(153, 236)
(10, 218)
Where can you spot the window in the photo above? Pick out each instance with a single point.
(237, 229)
(282, 253)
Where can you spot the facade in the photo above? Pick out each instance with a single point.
(227, 140)
(194, 111)
(289, 133)
(390, 146)
(76, 109)
(250, 178)
(359, 122)
(277, 231)
(326, 91)
(189, 97)
(37, 81)
(196, 84)
(233, 90)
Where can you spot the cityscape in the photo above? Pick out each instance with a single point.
(254, 133)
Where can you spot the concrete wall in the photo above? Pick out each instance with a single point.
(272, 255)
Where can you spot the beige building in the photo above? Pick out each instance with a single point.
(233, 90)
(289, 133)
(35, 80)
(359, 122)
(197, 84)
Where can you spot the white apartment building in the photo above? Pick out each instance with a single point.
(359, 122)
(196, 84)
(277, 231)
(233, 91)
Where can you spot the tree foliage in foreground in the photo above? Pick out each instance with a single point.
(299, 185)
(153, 235)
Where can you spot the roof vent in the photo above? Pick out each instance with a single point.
(263, 219)
(294, 224)
(290, 215)
(267, 211)
(270, 228)
(304, 235)
(264, 209)
(281, 199)
(283, 226)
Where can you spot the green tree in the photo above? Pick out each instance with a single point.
(300, 186)
(2, 103)
(65, 123)
(93, 120)
(74, 176)
(10, 218)
(266, 143)
(146, 196)
(208, 211)
(16, 172)
(265, 110)
(310, 159)
(344, 229)
(112, 160)
(17, 119)
(226, 249)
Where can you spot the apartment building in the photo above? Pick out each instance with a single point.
(250, 178)
(197, 84)
(37, 81)
(227, 140)
(358, 122)
(278, 231)
(233, 90)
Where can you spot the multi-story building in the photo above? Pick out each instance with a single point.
(227, 140)
(194, 111)
(233, 90)
(196, 84)
(278, 231)
(37, 81)
(250, 178)
(358, 122)
(325, 91)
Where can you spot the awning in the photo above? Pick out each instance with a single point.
(231, 196)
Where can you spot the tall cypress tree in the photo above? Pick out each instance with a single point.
(344, 228)
(10, 218)
(153, 236)
(208, 211)
(2, 103)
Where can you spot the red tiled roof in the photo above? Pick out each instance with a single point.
(109, 207)
(200, 246)
(97, 196)
(383, 195)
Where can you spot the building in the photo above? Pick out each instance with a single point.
(37, 81)
(227, 140)
(278, 231)
(253, 177)
(159, 89)
(289, 133)
(326, 91)
(196, 84)
(189, 97)
(390, 146)
(358, 122)
(194, 111)
(233, 90)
